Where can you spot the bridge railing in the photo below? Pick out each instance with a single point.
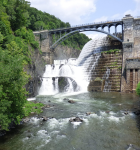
(94, 23)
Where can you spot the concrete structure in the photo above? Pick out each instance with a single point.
(131, 54)
(130, 41)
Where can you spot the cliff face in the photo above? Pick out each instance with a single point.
(65, 52)
(60, 52)
(35, 70)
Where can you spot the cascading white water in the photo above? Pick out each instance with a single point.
(107, 85)
(69, 71)
(79, 70)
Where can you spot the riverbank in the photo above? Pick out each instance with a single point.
(30, 108)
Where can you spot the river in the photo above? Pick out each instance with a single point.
(106, 128)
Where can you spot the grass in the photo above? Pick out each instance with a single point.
(31, 107)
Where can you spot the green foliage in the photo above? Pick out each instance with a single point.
(39, 25)
(28, 36)
(120, 67)
(1, 38)
(32, 107)
(138, 89)
(18, 12)
(98, 79)
(16, 42)
(114, 64)
(111, 51)
(12, 91)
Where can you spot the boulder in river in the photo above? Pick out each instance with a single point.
(76, 119)
(44, 118)
(136, 112)
(25, 120)
(71, 101)
(88, 113)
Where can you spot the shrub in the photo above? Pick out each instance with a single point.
(138, 89)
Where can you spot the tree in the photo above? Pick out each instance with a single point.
(12, 90)
(39, 25)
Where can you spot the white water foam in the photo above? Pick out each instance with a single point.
(34, 120)
(76, 124)
(31, 99)
(58, 124)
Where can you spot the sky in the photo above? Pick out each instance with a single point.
(78, 12)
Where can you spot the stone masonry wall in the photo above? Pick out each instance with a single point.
(131, 49)
(35, 70)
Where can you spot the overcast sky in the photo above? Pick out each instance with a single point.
(87, 11)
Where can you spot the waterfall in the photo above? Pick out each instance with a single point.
(107, 85)
(66, 70)
(75, 74)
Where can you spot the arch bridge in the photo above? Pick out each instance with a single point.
(65, 33)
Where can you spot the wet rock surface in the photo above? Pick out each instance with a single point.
(44, 118)
(76, 119)
(25, 120)
(136, 111)
(71, 101)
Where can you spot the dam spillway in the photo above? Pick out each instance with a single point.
(79, 74)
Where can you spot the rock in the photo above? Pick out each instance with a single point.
(136, 112)
(76, 119)
(126, 113)
(25, 120)
(29, 136)
(44, 118)
(132, 147)
(47, 106)
(88, 113)
(71, 101)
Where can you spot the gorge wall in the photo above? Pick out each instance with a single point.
(60, 52)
